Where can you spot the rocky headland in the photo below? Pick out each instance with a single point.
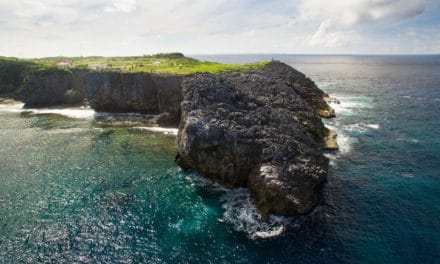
(259, 129)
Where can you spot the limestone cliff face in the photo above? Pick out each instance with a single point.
(259, 130)
(134, 92)
(105, 91)
(49, 88)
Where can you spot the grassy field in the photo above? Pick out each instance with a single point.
(170, 63)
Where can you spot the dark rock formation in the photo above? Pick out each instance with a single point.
(49, 88)
(12, 74)
(256, 130)
(134, 92)
(303, 86)
(167, 120)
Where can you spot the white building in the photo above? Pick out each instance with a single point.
(65, 64)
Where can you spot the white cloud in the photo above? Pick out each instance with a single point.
(349, 13)
(44, 11)
(129, 27)
(339, 23)
(126, 6)
(326, 37)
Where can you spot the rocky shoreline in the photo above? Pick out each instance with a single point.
(259, 129)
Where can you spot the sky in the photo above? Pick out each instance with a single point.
(39, 28)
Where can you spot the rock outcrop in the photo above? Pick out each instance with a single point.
(259, 130)
(303, 86)
(135, 92)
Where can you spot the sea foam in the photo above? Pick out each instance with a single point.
(12, 106)
(242, 214)
(349, 104)
(77, 113)
(166, 131)
(361, 127)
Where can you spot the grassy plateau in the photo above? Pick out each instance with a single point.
(165, 63)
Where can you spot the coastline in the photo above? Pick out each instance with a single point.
(234, 128)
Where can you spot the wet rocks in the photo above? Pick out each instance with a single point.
(330, 142)
(167, 120)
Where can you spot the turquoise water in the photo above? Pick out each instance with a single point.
(88, 190)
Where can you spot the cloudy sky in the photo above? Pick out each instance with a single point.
(35, 28)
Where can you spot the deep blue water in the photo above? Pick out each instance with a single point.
(82, 190)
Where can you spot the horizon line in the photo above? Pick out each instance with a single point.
(235, 54)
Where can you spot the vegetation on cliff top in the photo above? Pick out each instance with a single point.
(167, 63)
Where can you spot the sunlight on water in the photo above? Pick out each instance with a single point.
(78, 186)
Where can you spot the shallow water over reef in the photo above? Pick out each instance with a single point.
(95, 188)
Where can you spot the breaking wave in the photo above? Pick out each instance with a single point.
(11, 106)
(349, 105)
(240, 212)
(77, 113)
(361, 127)
(243, 216)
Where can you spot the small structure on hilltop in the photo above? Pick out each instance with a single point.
(65, 64)
(98, 66)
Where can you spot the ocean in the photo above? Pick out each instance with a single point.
(86, 187)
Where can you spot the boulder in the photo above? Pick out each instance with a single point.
(72, 97)
(168, 120)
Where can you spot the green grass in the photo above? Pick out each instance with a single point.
(165, 63)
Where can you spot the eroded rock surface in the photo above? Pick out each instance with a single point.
(303, 86)
(256, 130)
(134, 92)
(47, 88)
(50, 88)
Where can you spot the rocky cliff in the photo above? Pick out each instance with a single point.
(135, 92)
(103, 91)
(49, 88)
(259, 130)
